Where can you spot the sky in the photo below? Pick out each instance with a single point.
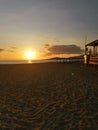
(48, 27)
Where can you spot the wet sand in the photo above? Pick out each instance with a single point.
(49, 96)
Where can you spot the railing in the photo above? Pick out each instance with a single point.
(93, 60)
(70, 60)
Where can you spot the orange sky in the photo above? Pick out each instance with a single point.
(31, 24)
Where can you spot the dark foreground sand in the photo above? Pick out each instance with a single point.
(50, 96)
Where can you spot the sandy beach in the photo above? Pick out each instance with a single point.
(48, 96)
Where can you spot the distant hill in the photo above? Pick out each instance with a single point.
(74, 57)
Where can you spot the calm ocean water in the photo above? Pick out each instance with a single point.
(38, 61)
(24, 61)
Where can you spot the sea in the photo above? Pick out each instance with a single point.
(25, 61)
(38, 61)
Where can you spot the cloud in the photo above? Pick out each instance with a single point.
(1, 50)
(10, 51)
(14, 48)
(50, 40)
(46, 46)
(64, 49)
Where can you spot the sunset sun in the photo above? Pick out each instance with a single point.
(30, 54)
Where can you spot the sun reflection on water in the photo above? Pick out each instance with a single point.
(29, 61)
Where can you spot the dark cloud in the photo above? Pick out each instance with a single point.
(1, 50)
(65, 49)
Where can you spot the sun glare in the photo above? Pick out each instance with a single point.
(29, 54)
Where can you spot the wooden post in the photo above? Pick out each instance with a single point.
(85, 49)
(94, 50)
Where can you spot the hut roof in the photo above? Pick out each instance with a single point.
(94, 43)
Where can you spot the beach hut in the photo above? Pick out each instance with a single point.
(91, 54)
